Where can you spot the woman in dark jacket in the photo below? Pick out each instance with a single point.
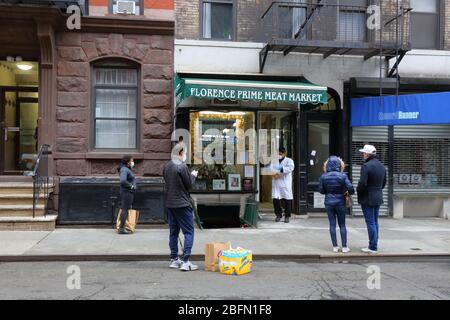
(127, 189)
(334, 183)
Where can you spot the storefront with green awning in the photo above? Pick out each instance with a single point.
(270, 91)
(212, 109)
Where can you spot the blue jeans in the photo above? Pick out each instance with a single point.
(339, 212)
(127, 204)
(181, 218)
(371, 217)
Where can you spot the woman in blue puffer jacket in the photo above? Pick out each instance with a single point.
(334, 183)
(127, 190)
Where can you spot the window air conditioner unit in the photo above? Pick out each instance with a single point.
(126, 7)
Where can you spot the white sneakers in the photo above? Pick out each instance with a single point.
(344, 249)
(175, 263)
(183, 266)
(367, 250)
(347, 249)
(188, 266)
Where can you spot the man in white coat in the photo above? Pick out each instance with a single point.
(282, 186)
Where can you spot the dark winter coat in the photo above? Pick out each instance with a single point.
(127, 179)
(178, 181)
(334, 183)
(371, 183)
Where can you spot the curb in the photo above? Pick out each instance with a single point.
(201, 257)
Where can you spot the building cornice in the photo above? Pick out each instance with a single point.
(127, 25)
(108, 24)
(31, 12)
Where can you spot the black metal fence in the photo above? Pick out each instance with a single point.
(96, 201)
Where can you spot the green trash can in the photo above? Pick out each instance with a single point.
(251, 213)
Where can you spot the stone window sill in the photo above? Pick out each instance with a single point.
(113, 155)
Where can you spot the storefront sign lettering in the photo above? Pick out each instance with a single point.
(305, 97)
(254, 94)
(398, 115)
(275, 96)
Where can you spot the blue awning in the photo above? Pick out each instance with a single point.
(413, 109)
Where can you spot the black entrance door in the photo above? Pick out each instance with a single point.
(319, 141)
(18, 122)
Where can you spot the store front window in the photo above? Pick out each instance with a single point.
(217, 151)
(421, 157)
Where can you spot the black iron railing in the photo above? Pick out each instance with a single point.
(315, 20)
(330, 28)
(43, 184)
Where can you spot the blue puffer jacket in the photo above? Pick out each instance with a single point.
(127, 179)
(333, 184)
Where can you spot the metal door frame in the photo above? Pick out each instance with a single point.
(305, 119)
(3, 90)
(293, 114)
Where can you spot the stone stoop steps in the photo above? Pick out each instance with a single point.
(16, 208)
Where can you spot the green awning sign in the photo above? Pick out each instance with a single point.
(291, 92)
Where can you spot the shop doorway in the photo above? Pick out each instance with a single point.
(285, 123)
(321, 136)
(18, 116)
(18, 134)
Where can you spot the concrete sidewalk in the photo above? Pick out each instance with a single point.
(307, 237)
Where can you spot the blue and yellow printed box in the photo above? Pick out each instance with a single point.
(235, 261)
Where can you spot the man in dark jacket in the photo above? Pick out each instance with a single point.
(370, 193)
(178, 182)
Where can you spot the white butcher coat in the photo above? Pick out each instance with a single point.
(282, 187)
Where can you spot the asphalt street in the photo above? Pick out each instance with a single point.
(429, 279)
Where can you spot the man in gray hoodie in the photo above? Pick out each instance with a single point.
(178, 182)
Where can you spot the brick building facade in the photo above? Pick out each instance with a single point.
(446, 24)
(76, 54)
(249, 23)
(105, 90)
(335, 50)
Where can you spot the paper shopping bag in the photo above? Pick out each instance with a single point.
(132, 219)
(212, 251)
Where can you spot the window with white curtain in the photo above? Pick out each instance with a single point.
(291, 16)
(352, 20)
(425, 24)
(217, 19)
(115, 102)
(298, 18)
